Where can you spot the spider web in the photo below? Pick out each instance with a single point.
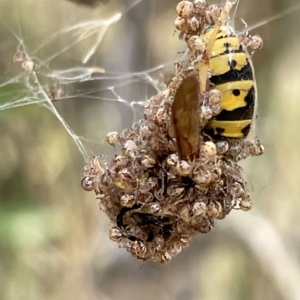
(86, 56)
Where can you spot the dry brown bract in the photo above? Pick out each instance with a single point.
(158, 198)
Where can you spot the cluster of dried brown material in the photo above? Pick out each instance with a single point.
(156, 198)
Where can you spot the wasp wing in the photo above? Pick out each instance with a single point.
(185, 114)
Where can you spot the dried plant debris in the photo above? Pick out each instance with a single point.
(178, 170)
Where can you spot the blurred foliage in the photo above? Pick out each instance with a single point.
(53, 238)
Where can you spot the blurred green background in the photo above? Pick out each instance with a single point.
(54, 239)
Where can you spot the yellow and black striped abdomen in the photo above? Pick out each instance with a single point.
(233, 76)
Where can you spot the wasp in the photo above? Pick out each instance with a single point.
(226, 66)
(167, 196)
(150, 224)
(185, 115)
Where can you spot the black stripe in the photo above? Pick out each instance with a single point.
(241, 113)
(234, 75)
(229, 50)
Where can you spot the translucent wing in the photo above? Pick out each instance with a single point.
(185, 113)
